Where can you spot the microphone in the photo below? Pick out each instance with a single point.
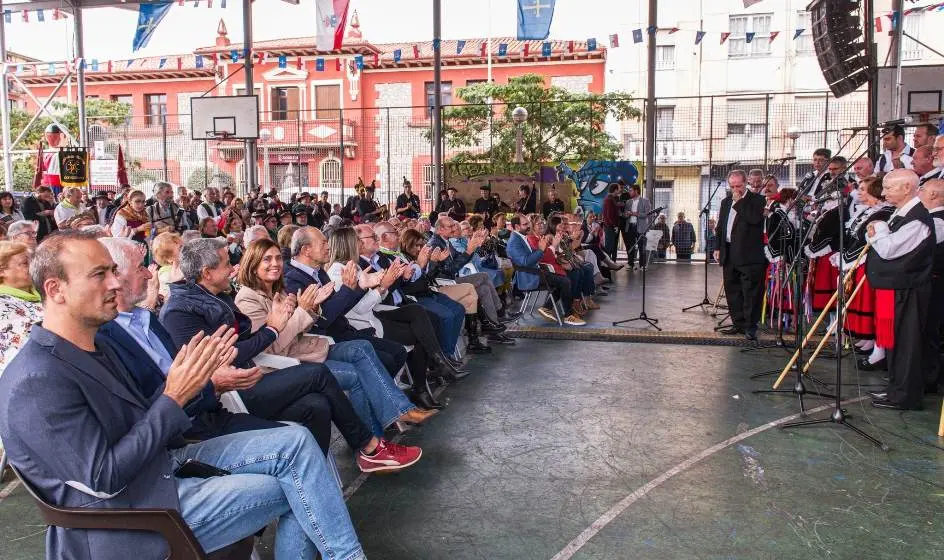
(657, 210)
(831, 195)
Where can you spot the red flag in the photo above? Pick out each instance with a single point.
(38, 175)
(298, 63)
(337, 64)
(180, 2)
(416, 51)
(673, 30)
(122, 170)
(216, 58)
(109, 67)
(260, 56)
(570, 47)
(614, 41)
(26, 16)
(878, 24)
(526, 49)
(56, 15)
(180, 64)
(484, 52)
(209, 3)
(724, 37)
(376, 59)
(773, 35)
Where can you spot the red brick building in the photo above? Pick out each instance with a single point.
(322, 119)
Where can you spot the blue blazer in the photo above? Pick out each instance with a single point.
(146, 374)
(332, 322)
(521, 254)
(84, 436)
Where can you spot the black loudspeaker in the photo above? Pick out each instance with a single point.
(840, 44)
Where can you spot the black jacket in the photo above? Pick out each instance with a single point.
(747, 236)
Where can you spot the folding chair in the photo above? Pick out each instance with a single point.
(531, 296)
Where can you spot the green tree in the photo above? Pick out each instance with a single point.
(209, 176)
(561, 126)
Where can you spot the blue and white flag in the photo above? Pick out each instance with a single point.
(149, 17)
(534, 19)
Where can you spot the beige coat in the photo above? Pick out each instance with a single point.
(291, 341)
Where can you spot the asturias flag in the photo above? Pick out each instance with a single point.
(149, 17)
(534, 19)
(331, 16)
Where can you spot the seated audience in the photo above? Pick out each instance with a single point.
(23, 231)
(117, 448)
(19, 301)
(166, 250)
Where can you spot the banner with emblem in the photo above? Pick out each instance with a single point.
(73, 167)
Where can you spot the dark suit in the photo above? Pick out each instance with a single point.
(742, 259)
(210, 419)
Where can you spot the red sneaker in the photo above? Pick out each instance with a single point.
(389, 457)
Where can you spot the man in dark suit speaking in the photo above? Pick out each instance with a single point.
(740, 234)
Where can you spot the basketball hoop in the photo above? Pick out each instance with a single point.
(221, 136)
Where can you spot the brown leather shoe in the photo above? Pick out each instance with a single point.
(417, 416)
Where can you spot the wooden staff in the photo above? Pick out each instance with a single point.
(940, 428)
(822, 315)
(832, 328)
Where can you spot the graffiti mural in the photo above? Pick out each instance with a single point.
(593, 178)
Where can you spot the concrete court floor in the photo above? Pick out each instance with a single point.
(549, 436)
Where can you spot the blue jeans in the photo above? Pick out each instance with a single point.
(448, 317)
(279, 473)
(581, 281)
(376, 398)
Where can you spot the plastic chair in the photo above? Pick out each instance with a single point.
(166, 522)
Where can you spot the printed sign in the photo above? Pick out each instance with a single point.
(73, 167)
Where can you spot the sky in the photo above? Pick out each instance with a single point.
(109, 31)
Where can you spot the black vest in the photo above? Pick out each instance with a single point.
(938, 268)
(908, 271)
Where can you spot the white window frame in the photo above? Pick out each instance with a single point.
(911, 49)
(665, 62)
(428, 181)
(804, 43)
(661, 124)
(737, 42)
(336, 185)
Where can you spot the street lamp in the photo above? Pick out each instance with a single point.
(793, 133)
(519, 115)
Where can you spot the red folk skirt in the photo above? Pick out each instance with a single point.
(779, 292)
(824, 283)
(860, 317)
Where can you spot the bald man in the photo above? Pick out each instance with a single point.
(932, 197)
(899, 266)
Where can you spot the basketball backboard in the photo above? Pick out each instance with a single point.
(231, 117)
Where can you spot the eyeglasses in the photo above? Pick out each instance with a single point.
(368, 237)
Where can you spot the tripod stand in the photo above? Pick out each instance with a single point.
(642, 314)
(704, 212)
(838, 416)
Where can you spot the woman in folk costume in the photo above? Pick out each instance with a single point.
(47, 163)
(860, 316)
(132, 215)
(779, 234)
(823, 277)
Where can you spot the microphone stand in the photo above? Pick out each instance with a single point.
(642, 315)
(838, 415)
(778, 341)
(704, 212)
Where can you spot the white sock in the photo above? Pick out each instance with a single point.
(877, 355)
(867, 344)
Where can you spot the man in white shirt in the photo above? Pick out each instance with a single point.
(924, 135)
(69, 207)
(897, 154)
(899, 266)
(208, 209)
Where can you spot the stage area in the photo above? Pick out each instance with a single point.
(561, 449)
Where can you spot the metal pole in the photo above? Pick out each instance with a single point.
(341, 129)
(250, 90)
(164, 142)
(489, 41)
(206, 165)
(766, 130)
(897, 10)
(389, 176)
(80, 76)
(826, 123)
(437, 94)
(5, 111)
(870, 49)
(651, 103)
(707, 192)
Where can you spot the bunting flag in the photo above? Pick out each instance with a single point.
(699, 35)
(234, 55)
(298, 63)
(260, 57)
(337, 64)
(330, 19)
(19, 69)
(749, 37)
(51, 68)
(396, 55)
(546, 48)
(502, 49)
(878, 24)
(319, 65)
(94, 65)
(749, 3)
(109, 67)
(198, 62)
(534, 19)
(25, 16)
(724, 37)
(526, 49)
(570, 47)
(614, 40)
(673, 30)
(283, 61)
(149, 17)
(180, 64)
(56, 14)
(40, 16)
(376, 60)
(459, 46)
(161, 64)
(223, 4)
(483, 49)
(797, 33)
(416, 51)
(773, 35)
(894, 16)
(359, 62)
(591, 44)
(637, 36)
(7, 16)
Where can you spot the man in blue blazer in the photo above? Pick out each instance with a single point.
(309, 255)
(78, 429)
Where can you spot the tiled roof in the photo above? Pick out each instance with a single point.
(139, 68)
(295, 46)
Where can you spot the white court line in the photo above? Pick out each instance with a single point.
(621, 506)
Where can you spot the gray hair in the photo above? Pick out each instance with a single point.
(122, 251)
(46, 262)
(300, 239)
(96, 229)
(253, 233)
(189, 235)
(22, 226)
(158, 185)
(198, 255)
(737, 173)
